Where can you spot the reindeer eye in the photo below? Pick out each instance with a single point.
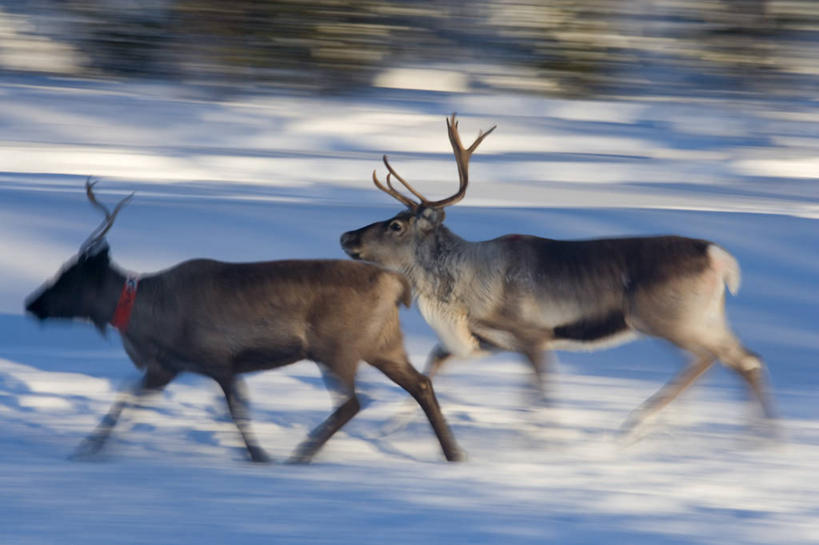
(396, 226)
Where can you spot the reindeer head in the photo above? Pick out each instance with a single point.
(393, 243)
(75, 291)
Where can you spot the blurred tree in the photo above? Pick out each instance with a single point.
(568, 47)
(122, 37)
(324, 44)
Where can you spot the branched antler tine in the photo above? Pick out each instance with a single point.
(455, 138)
(95, 234)
(462, 156)
(389, 183)
(452, 130)
(479, 139)
(110, 220)
(404, 182)
(380, 186)
(89, 191)
(106, 224)
(393, 193)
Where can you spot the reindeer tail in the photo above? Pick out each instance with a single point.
(727, 265)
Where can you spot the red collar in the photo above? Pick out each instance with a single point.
(122, 314)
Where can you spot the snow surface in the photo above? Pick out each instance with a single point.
(270, 177)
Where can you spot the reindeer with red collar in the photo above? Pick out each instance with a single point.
(223, 319)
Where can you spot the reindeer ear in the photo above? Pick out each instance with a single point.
(429, 218)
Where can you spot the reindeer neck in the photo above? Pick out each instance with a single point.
(438, 258)
(110, 290)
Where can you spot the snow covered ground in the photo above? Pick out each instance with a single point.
(275, 177)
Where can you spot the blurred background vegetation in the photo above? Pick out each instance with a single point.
(557, 47)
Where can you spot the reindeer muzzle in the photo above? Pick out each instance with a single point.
(351, 244)
(35, 307)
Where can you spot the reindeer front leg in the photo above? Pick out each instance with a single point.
(154, 380)
(436, 360)
(452, 326)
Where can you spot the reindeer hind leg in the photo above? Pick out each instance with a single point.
(750, 367)
(236, 398)
(665, 395)
(690, 323)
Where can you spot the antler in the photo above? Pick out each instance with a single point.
(97, 234)
(461, 159)
(462, 156)
(392, 192)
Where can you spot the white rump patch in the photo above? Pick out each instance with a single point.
(727, 266)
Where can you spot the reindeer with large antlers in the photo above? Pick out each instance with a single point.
(224, 319)
(529, 294)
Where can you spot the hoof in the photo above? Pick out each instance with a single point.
(258, 456)
(89, 448)
(457, 456)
